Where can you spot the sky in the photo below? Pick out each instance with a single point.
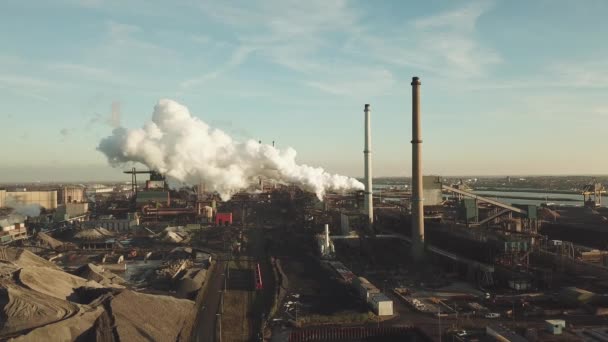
(508, 87)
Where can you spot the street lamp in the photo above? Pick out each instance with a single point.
(219, 317)
(439, 318)
(221, 299)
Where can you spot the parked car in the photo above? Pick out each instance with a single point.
(462, 333)
(492, 315)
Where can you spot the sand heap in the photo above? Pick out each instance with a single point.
(47, 240)
(100, 275)
(40, 302)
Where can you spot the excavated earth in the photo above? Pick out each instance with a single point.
(40, 302)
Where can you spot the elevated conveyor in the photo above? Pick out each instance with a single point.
(485, 199)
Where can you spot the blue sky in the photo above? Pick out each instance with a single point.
(508, 87)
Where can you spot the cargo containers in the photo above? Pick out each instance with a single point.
(364, 288)
(381, 304)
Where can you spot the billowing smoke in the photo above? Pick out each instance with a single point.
(30, 210)
(114, 119)
(185, 148)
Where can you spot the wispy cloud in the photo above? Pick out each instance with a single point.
(461, 19)
(128, 45)
(581, 74)
(445, 43)
(239, 55)
(88, 72)
(299, 36)
(376, 81)
(26, 86)
(24, 81)
(120, 30)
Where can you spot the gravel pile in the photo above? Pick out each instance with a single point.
(99, 275)
(40, 302)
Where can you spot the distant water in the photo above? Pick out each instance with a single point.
(558, 199)
(515, 197)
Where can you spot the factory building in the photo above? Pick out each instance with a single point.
(109, 222)
(223, 219)
(70, 194)
(152, 197)
(432, 190)
(72, 211)
(12, 227)
(351, 221)
(98, 189)
(45, 199)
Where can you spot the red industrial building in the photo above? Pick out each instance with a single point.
(223, 219)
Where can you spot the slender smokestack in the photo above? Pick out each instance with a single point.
(417, 191)
(367, 153)
(326, 237)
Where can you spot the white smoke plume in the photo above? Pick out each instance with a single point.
(185, 148)
(30, 210)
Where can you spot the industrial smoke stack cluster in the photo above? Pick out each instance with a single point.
(417, 188)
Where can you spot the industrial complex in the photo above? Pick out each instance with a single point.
(431, 258)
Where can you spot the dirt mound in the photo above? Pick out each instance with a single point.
(54, 283)
(24, 258)
(100, 275)
(45, 303)
(26, 309)
(143, 317)
(191, 281)
(71, 329)
(49, 241)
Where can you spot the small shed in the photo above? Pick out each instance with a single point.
(555, 326)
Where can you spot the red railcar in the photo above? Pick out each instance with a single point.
(258, 278)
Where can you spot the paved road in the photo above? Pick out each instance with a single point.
(205, 326)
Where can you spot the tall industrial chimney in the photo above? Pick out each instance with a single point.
(417, 191)
(367, 153)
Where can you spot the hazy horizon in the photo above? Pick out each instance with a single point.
(94, 174)
(495, 99)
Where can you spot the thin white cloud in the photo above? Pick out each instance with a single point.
(581, 74)
(201, 39)
(121, 29)
(460, 19)
(445, 44)
(88, 72)
(126, 45)
(300, 35)
(26, 86)
(239, 56)
(24, 81)
(295, 35)
(357, 82)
